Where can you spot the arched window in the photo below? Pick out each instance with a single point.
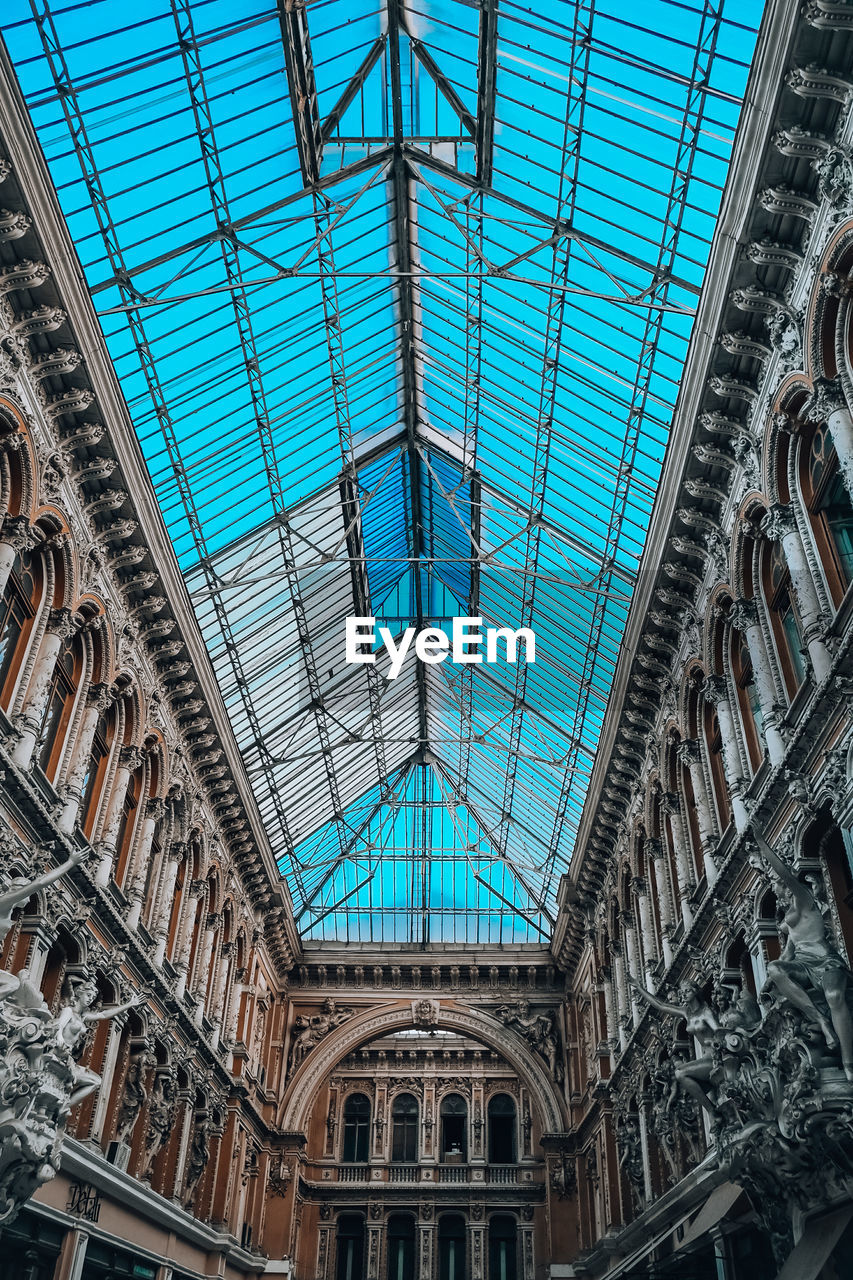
(404, 1129)
(747, 696)
(350, 1261)
(454, 1129)
(401, 1246)
(356, 1144)
(59, 705)
(501, 1129)
(503, 1248)
(451, 1247)
(17, 612)
(830, 510)
(787, 627)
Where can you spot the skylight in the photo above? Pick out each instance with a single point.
(399, 296)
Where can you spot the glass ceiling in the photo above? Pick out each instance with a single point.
(399, 295)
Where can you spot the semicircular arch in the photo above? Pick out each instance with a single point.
(321, 1062)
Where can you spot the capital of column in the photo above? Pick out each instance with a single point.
(687, 751)
(131, 758)
(743, 614)
(778, 522)
(156, 808)
(62, 623)
(639, 886)
(715, 689)
(100, 697)
(19, 534)
(670, 803)
(827, 398)
(654, 848)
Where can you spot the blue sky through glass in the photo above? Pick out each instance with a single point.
(440, 379)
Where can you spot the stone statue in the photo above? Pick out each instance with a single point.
(21, 889)
(810, 973)
(694, 1075)
(308, 1032)
(161, 1114)
(199, 1154)
(40, 1079)
(538, 1029)
(74, 1020)
(630, 1150)
(135, 1092)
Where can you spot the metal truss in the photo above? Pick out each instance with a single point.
(519, 333)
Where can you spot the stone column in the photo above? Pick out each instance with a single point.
(160, 924)
(476, 1153)
(744, 616)
(780, 526)
(612, 1028)
(829, 405)
(657, 855)
(130, 758)
(647, 933)
(528, 1270)
(671, 807)
(431, 1125)
(689, 754)
(154, 811)
(60, 627)
(182, 959)
(634, 968)
(374, 1251)
(99, 1117)
(17, 536)
(98, 700)
(477, 1241)
(218, 1004)
(716, 692)
(325, 1236)
(622, 1001)
(426, 1236)
(203, 964)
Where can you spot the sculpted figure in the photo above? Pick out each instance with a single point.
(135, 1092)
(693, 1076)
(21, 889)
(810, 973)
(72, 1024)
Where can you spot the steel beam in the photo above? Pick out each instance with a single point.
(303, 88)
(486, 95)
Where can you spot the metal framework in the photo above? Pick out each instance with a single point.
(399, 296)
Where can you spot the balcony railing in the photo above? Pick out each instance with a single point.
(452, 1173)
(404, 1173)
(353, 1173)
(502, 1173)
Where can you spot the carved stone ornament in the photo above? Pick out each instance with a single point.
(135, 1091)
(425, 1013)
(309, 1030)
(40, 1076)
(538, 1029)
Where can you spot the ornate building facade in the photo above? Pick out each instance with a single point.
(667, 1090)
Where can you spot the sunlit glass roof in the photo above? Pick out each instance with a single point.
(399, 296)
